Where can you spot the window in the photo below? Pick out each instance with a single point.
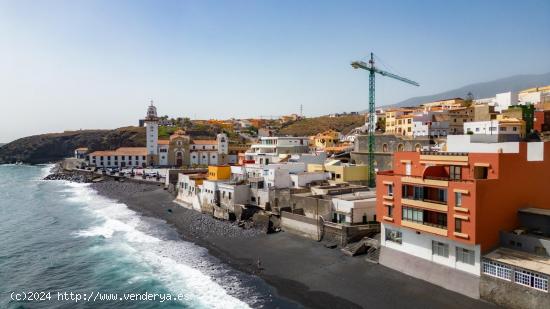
(531, 279)
(394, 236)
(412, 214)
(481, 172)
(458, 225)
(465, 256)
(390, 211)
(390, 190)
(440, 249)
(458, 199)
(503, 129)
(497, 270)
(229, 195)
(455, 172)
(515, 128)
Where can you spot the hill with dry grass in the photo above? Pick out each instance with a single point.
(312, 126)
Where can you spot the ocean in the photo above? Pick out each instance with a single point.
(64, 246)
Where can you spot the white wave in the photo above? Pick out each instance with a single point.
(170, 260)
(45, 171)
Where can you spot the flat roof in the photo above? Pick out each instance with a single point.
(521, 259)
(536, 211)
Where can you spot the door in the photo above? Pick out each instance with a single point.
(179, 158)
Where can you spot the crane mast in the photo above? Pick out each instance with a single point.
(372, 106)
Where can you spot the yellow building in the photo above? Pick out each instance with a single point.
(404, 125)
(329, 138)
(219, 172)
(444, 104)
(392, 120)
(342, 173)
(511, 125)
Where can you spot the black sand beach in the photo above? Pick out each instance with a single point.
(300, 270)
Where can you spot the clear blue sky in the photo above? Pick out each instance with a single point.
(95, 64)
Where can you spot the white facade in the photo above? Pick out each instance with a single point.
(531, 97)
(271, 147)
(421, 245)
(504, 100)
(129, 161)
(350, 209)
(301, 180)
(420, 129)
(491, 127)
(188, 192)
(163, 154)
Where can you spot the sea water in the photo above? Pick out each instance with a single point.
(64, 246)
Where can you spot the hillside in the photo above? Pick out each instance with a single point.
(55, 146)
(483, 90)
(312, 126)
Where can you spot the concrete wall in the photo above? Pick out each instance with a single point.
(420, 245)
(384, 147)
(448, 278)
(512, 295)
(300, 225)
(312, 207)
(525, 243)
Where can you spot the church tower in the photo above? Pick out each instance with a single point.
(152, 134)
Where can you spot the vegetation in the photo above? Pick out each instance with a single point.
(312, 126)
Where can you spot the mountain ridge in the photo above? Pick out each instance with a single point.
(482, 89)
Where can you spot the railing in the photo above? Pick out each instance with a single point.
(424, 200)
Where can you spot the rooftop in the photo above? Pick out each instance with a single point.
(521, 259)
(122, 151)
(536, 211)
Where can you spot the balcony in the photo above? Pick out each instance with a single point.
(426, 203)
(434, 229)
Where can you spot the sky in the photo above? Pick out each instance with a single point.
(68, 65)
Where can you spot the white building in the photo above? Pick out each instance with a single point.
(270, 149)
(209, 152)
(124, 157)
(494, 127)
(354, 208)
(420, 129)
(303, 179)
(189, 190)
(504, 100)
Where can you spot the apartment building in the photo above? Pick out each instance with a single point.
(502, 126)
(269, 149)
(391, 119)
(459, 116)
(440, 211)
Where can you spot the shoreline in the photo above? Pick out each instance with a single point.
(299, 270)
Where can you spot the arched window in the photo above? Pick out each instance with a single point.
(400, 147)
(385, 148)
(417, 147)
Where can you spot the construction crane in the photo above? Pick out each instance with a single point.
(372, 126)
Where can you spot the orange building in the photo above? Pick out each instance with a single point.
(441, 211)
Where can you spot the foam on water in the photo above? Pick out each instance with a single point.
(182, 266)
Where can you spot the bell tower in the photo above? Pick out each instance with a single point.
(152, 134)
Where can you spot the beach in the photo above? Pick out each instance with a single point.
(299, 270)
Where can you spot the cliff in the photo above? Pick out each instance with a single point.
(51, 147)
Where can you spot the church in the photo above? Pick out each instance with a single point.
(180, 150)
